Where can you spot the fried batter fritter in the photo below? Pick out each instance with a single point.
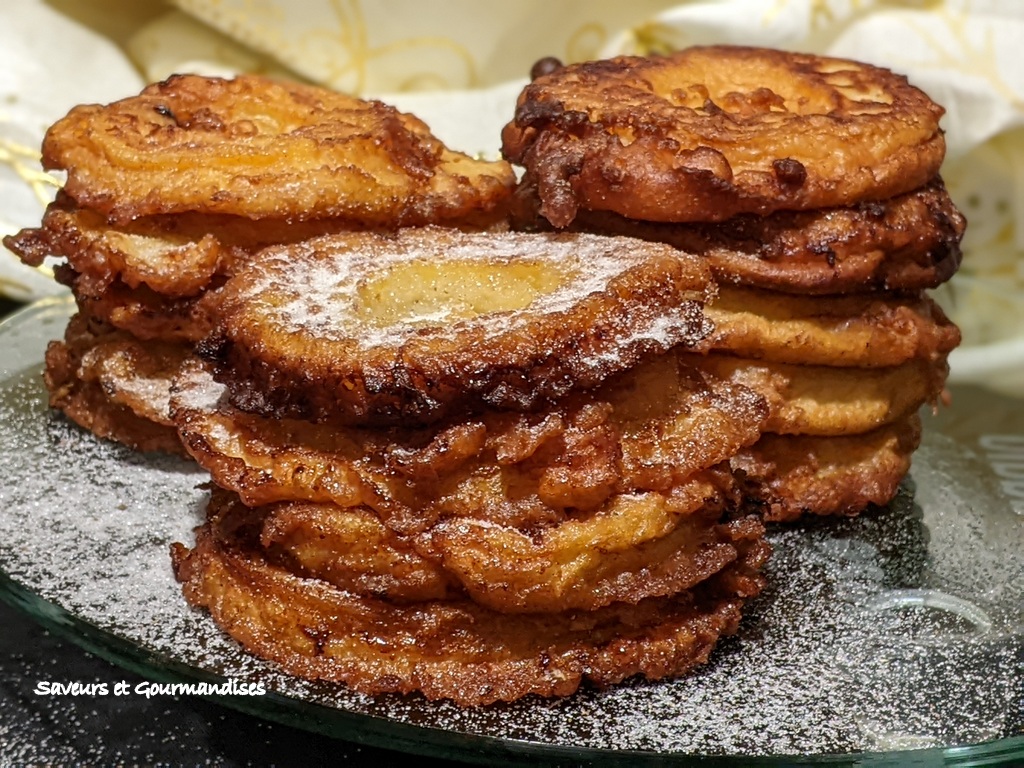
(599, 499)
(142, 312)
(347, 547)
(706, 133)
(908, 243)
(175, 256)
(452, 649)
(827, 401)
(872, 330)
(88, 406)
(649, 429)
(636, 546)
(133, 374)
(366, 328)
(110, 385)
(792, 475)
(263, 149)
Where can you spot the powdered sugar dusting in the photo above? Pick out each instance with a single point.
(860, 642)
(315, 285)
(196, 390)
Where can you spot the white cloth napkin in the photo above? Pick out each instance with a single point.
(459, 64)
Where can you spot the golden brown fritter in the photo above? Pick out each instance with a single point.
(347, 547)
(793, 475)
(142, 312)
(177, 256)
(108, 384)
(828, 401)
(263, 149)
(706, 133)
(451, 649)
(368, 328)
(634, 547)
(872, 330)
(648, 429)
(907, 243)
(131, 372)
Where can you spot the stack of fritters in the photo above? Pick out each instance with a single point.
(169, 191)
(476, 465)
(447, 459)
(810, 185)
(481, 463)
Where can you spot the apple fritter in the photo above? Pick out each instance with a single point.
(827, 401)
(173, 255)
(131, 373)
(369, 328)
(793, 475)
(263, 149)
(706, 133)
(648, 429)
(177, 256)
(450, 649)
(872, 330)
(908, 243)
(635, 547)
(107, 396)
(144, 314)
(347, 547)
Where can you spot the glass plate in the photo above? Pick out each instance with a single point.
(890, 638)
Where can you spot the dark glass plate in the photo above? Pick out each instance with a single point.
(893, 637)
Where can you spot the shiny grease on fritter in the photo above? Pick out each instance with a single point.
(371, 328)
(259, 148)
(706, 133)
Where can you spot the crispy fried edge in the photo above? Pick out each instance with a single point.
(611, 135)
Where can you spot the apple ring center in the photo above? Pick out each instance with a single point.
(428, 292)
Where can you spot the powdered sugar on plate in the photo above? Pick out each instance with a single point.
(899, 629)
